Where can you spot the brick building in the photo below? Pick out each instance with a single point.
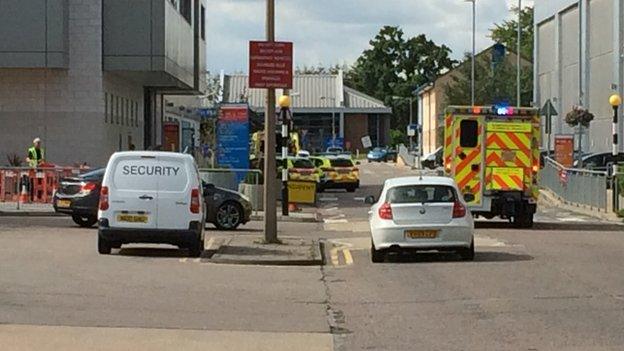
(322, 103)
(89, 77)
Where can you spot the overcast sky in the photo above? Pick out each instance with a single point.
(337, 31)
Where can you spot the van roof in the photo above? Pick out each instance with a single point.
(152, 154)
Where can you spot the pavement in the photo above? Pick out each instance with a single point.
(28, 209)
(252, 249)
(557, 286)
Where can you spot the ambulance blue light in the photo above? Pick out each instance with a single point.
(504, 110)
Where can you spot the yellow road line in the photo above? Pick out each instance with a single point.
(334, 256)
(347, 256)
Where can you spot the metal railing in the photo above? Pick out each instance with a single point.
(579, 186)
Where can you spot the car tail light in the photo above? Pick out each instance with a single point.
(104, 198)
(88, 187)
(459, 210)
(195, 203)
(385, 211)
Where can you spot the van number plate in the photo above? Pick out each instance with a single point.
(132, 218)
(421, 234)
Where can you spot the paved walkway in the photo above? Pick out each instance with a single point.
(34, 209)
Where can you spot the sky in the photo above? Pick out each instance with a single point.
(329, 32)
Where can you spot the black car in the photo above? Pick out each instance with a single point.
(79, 197)
(602, 161)
(226, 209)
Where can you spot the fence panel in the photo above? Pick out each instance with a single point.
(578, 186)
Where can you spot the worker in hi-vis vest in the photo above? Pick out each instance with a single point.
(36, 154)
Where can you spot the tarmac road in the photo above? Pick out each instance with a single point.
(554, 287)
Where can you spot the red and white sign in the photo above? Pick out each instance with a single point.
(233, 113)
(564, 149)
(270, 65)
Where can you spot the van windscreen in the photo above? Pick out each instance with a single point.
(150, 175)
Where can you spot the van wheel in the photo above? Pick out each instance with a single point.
(84, 221)
(104, 246)
(197, 248)
(229, 216)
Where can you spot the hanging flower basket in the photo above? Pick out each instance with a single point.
(579, 115)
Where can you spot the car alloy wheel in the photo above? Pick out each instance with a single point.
(228, 216)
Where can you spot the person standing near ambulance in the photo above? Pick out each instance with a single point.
(36, 154)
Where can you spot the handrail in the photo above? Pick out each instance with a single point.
(576, 170)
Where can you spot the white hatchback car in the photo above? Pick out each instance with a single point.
(420, 214)
(151, 197)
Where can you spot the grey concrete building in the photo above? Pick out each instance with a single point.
(89, 76)
(578, 61)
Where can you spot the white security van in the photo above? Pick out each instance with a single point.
(151, 197)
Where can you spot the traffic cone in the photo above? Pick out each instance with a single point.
(292, 207)
(24, 198)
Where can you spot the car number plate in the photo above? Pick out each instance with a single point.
(344, 171)
(132, 218)
(63, 203)
(421, 234)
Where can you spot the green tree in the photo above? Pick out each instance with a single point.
(394, 66)
(493, 84)
(506, 33)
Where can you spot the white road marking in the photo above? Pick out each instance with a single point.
(328, 199)
(359, 198)
(334, 256)
(331, 209)
(571, 219)
(333, 221)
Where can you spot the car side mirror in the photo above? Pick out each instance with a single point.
(468, 197)
(369, 200)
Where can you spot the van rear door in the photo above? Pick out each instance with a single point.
(133, 192)
(174, 194)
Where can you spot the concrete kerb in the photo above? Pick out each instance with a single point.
(301, 217)
(550, 199)
(251, 250)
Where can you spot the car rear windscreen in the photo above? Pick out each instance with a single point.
(150, 175)
(341, 163)
(421, 194)
(302, 163)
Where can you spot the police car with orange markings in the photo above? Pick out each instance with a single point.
(493, 154)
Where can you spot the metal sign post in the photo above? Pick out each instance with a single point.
(548, 111)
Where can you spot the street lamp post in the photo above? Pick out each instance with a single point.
(519, 47)
(474, 38)
(270, 198)
(615, 100)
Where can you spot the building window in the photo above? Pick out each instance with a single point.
(203, 22)
(117, 109)
(186, 9)
(105, 107)
(174, 3)
(469, 136)
(136, 108)
(128, 112)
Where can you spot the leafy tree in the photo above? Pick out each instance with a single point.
(397, 137)
(493, 84)
(320, 69)
(506, 33)
(395, 65)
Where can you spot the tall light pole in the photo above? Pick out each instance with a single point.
(270, 198)
(518, 93)
(474, 44)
